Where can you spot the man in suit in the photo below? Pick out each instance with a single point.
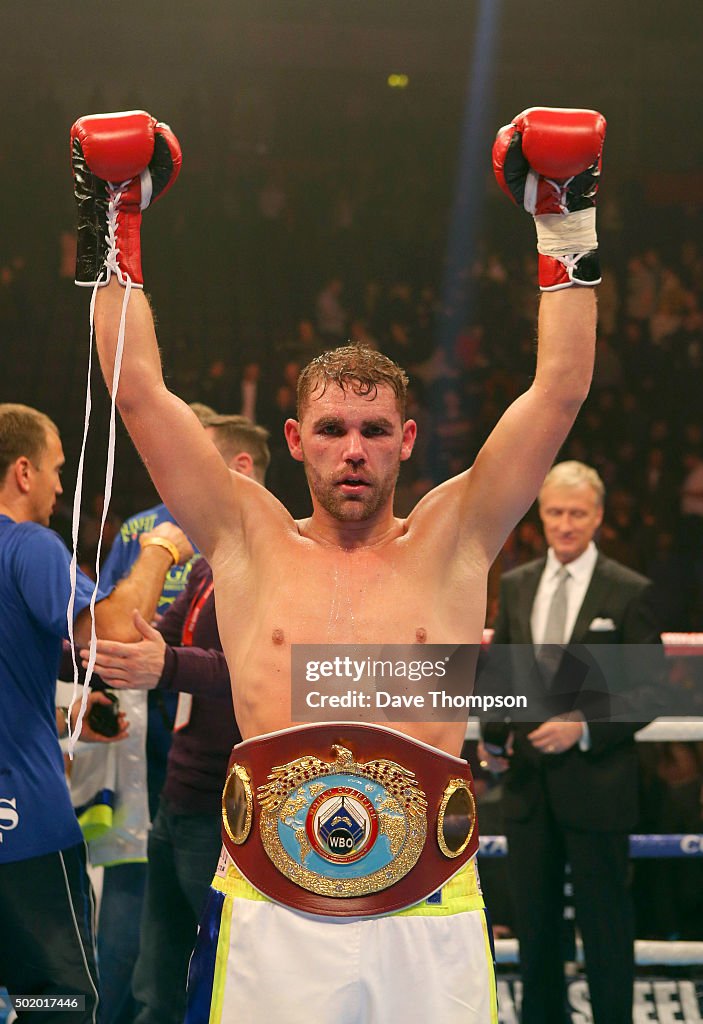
(570, 793)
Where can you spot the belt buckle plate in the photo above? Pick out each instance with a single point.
(342, 828)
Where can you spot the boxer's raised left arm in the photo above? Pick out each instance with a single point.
(547, 160)
(512, 464)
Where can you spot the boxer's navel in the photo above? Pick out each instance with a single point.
(278, 637)
(421, 635)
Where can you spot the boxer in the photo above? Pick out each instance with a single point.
(351, 573)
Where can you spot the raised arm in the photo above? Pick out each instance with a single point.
(509, 470)
(121, 164)
(140, 591)
(160, 660)
(188, 471)
(548, 160)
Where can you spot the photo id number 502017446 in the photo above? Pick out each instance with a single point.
(52, 1002)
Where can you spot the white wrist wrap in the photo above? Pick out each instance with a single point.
(564, 235)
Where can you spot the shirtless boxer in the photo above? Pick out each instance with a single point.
(351, 573)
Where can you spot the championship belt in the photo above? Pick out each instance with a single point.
(347, 820)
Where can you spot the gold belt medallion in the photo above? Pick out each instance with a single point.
(341, 827)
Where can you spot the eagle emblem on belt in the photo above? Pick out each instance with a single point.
(342, 827)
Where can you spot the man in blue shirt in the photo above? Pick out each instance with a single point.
(46, 940)
(123, 554)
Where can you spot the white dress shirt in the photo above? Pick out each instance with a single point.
(580, 573)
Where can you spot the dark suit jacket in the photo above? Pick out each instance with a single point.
(595, 789)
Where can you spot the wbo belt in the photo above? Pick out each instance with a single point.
(347, 820)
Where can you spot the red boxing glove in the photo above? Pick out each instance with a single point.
(121, 163)
(548, 160)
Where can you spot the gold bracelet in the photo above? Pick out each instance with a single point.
(162, 542)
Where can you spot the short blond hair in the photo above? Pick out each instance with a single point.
(574, 474)
(237, 434)
(23, 432)
(357, 367)
(203, 412)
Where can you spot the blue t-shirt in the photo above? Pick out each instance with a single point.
(36, 816)
(126, 550)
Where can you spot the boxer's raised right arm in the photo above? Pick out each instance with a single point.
(121, 164)
(188, 471)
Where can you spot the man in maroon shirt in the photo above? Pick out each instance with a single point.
(184, 655)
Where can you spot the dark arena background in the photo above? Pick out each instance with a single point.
(337, 183)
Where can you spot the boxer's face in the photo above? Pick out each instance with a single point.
(352, 446)
(570, 517)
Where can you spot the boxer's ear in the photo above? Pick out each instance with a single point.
(291, 429)
(409, 436)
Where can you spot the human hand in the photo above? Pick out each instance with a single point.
(496, 765)
(556, 735)
(136, 666)
(88, 734)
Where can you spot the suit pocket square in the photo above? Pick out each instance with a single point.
(602, 626)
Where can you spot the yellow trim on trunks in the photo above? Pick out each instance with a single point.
(460, 894)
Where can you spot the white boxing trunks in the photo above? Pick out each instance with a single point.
(258, 961)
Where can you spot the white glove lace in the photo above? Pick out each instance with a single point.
(111, 264)
(113, 212)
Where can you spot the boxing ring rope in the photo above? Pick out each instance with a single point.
(648, 952)
(646, 845)
(661, 730)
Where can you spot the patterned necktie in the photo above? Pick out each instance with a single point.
(549, 654)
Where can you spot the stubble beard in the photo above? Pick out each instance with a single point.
(350, 508)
